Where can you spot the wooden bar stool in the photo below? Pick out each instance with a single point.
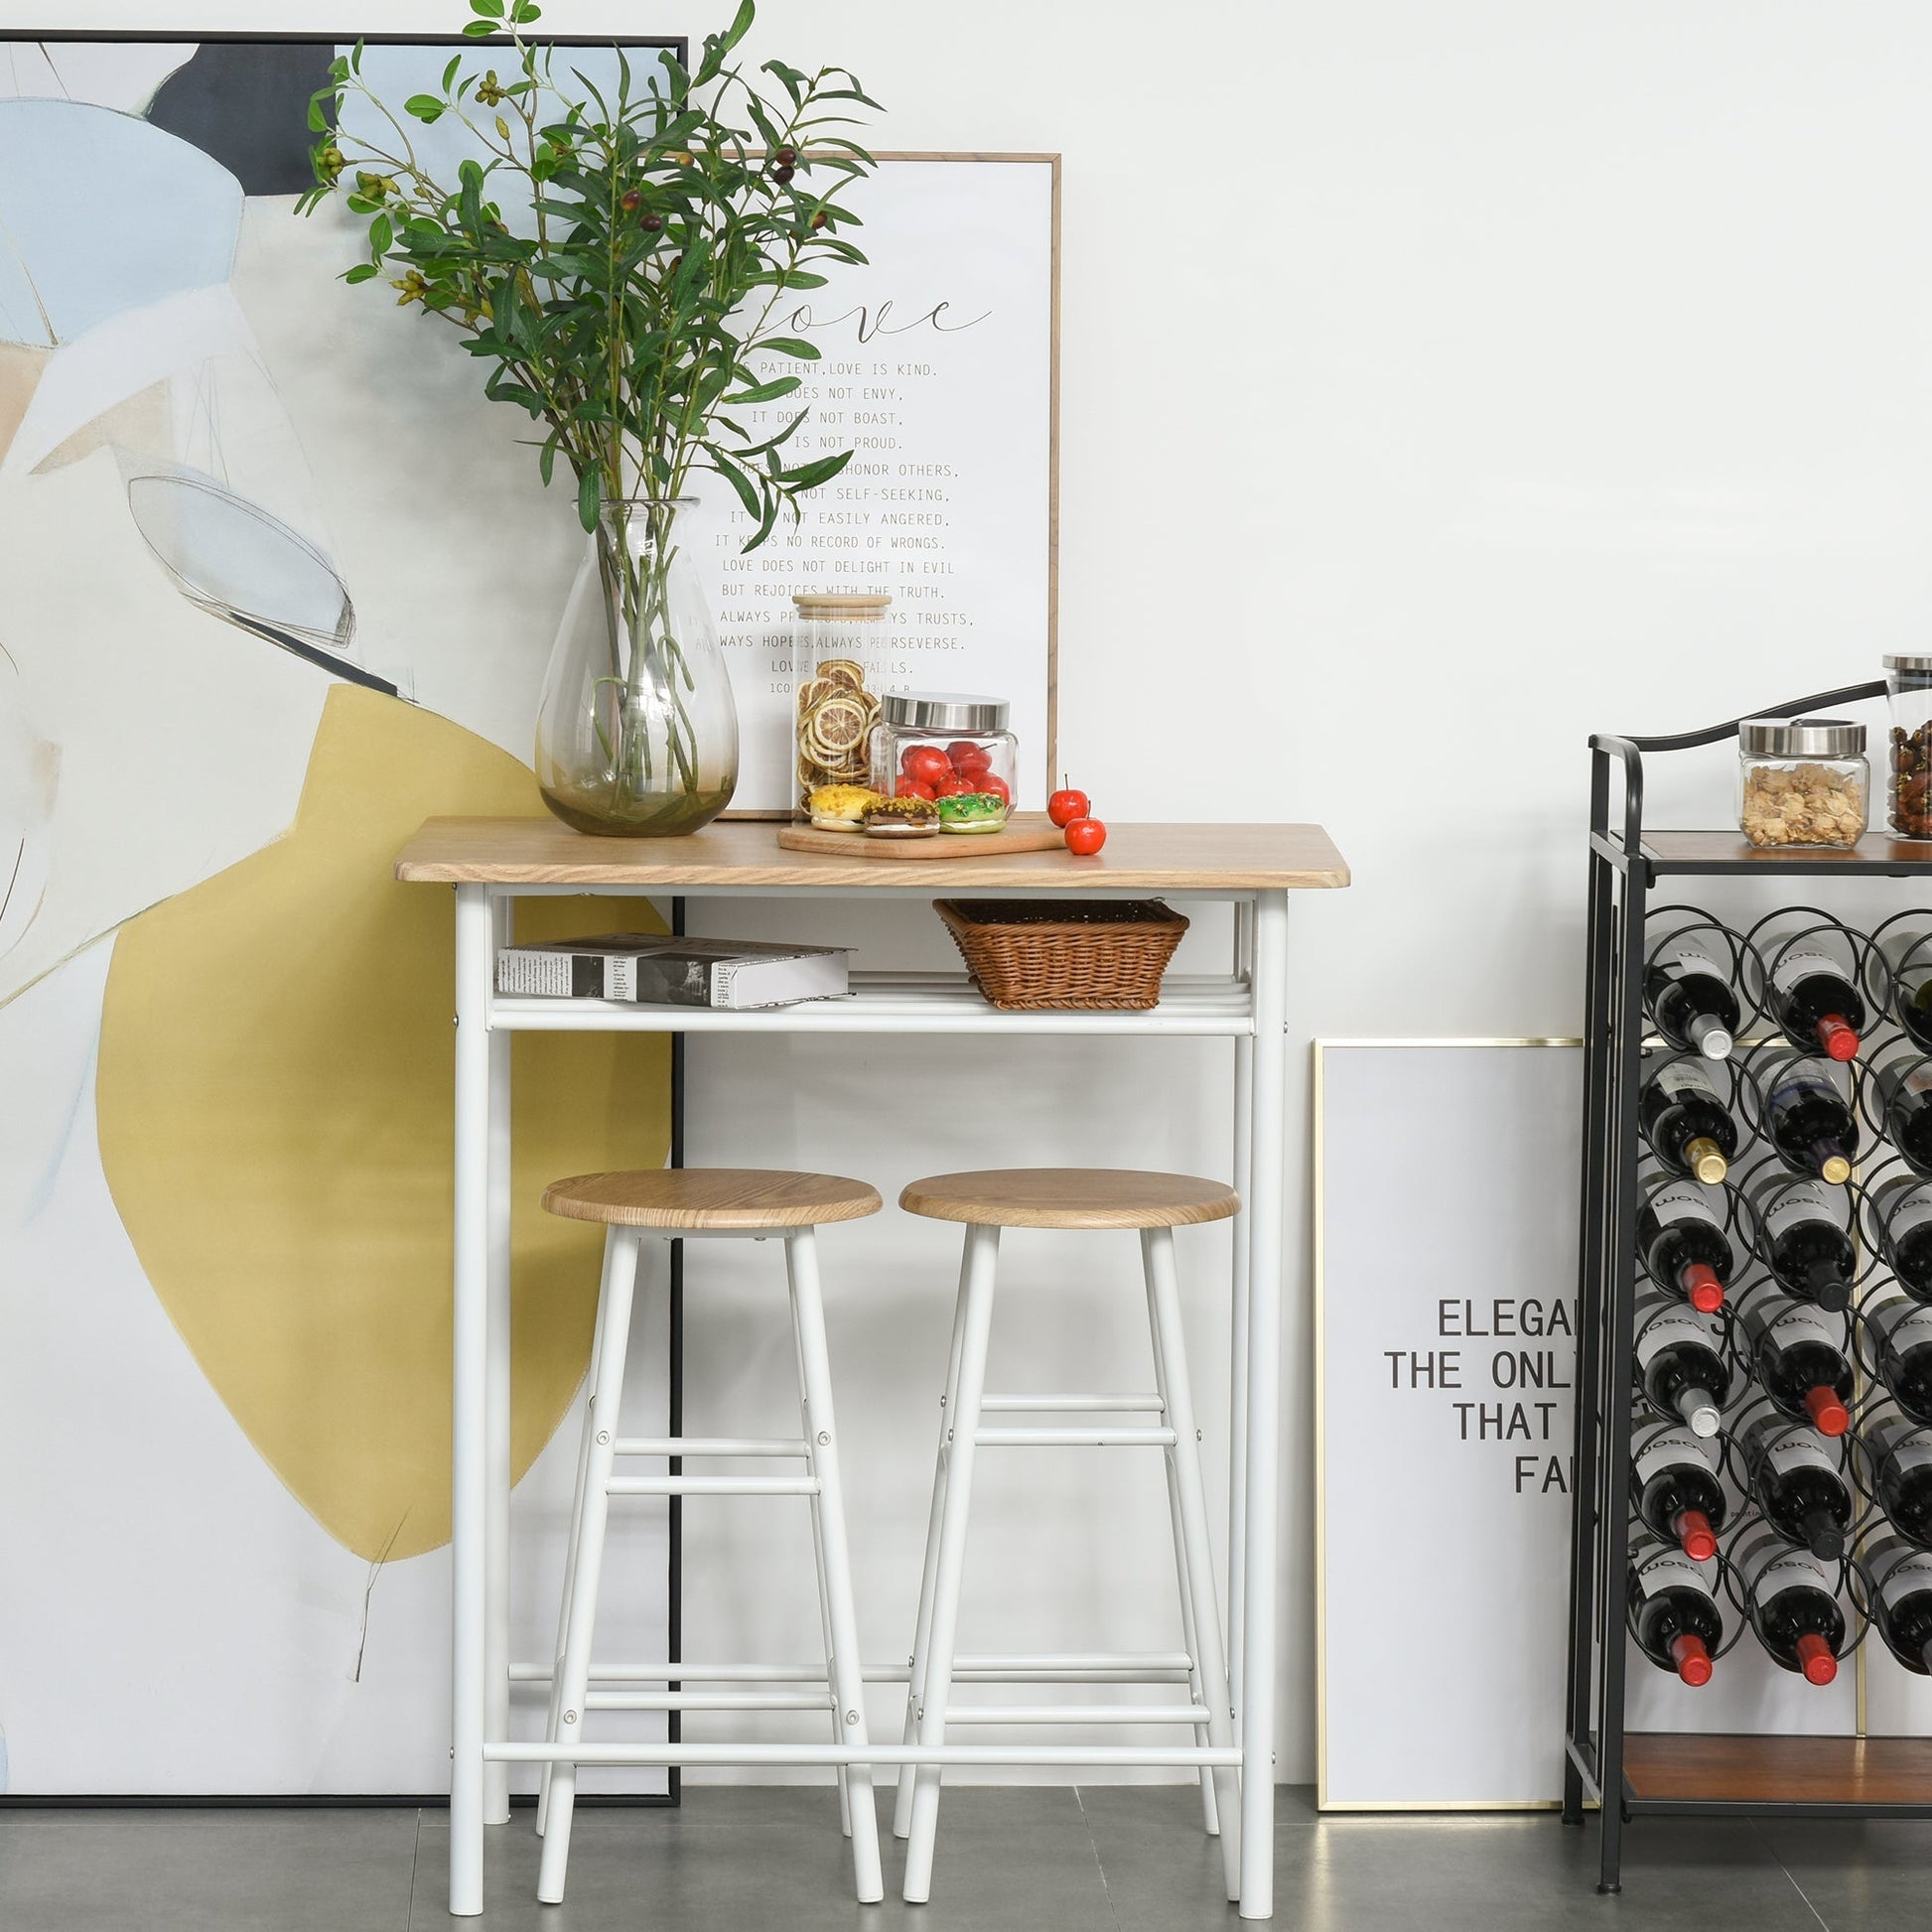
(1153, 1204)
(714, 1204)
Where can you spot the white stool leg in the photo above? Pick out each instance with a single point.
(922, 1629)
(976, 1288)
(818, 1570)
(1163, 1308)
(1210, 1810)
(613, 1341)
(570, 1546)
(828, 1507)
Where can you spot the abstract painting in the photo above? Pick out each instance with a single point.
(275, 583)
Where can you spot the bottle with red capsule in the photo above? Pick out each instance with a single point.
(1794, 1607)
(1681, 1237)
(1798, 1355)
(1807, 981)
(1678, 1494)
(1675, 1618)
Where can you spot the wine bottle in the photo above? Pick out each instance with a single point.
(1680, 1363)
(1684, 1244)
(1806, 1116)
(1904, 984)
(1794, 1605)
(1800, 1363)
(1901, 1332)
(1685, 1121)
(1674, 1616)
(1811, 995)
(1804, 1236)
(1678, 1496)
(1902, 1209)
(1904, 1078)
(1798, 1486)
(1689, 997)
(1900, 1596)
(1900, 1455)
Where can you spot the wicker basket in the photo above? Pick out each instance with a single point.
(1042, 954)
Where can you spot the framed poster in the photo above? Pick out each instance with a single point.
(938, 369)
(278, 583)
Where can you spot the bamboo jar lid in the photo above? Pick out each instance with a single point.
(859, 607)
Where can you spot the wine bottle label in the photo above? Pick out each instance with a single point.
(1917, 1079)
(1676, 1326)
(1681, 957)
(1807, 1202)
(1683, 1200)
(1906, 1580)
(1682, 1077)
(1800, 963)
(1787, 1570)
(1672, 1570)
(1800, 1451)
(1797, 1083)
(1669, 1449)
(1798, 1323)
(1904, 1442)
(1913, 1210)
(1905, 1325)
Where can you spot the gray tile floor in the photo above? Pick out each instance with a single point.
(1046, 1861)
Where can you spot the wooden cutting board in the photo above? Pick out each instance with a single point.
(1023, 832)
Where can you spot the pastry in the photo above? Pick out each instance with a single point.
(972, 811)
(901, 818)
(841, 808)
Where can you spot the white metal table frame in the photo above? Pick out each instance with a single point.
(1248, 1006)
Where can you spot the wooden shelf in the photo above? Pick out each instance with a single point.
(1747, 1770)
(1721, 851)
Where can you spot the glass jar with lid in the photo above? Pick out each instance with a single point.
(1908, 681)
(952, 746)
(838, 656)
(1802, 781)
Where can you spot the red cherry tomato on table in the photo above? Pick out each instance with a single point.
(989, 782)
(926, 762)
(1085, 837)
(912, 788)
(967, 757)
(1065, 806)
(955, 787)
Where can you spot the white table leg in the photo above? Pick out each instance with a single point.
(1260, 1631)
(468, 1397)
(1243, 1183)
(497, 1407)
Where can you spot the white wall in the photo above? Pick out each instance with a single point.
(1438, 383)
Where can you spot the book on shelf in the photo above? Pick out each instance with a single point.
(649, 969)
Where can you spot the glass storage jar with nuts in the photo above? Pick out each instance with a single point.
(1908, 680)
(1801, 782)
(839, 651)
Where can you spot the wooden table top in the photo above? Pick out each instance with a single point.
(746, 853)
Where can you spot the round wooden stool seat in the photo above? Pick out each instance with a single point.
(711, 1197)
(1070, 1197)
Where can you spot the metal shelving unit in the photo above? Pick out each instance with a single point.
(1658, 1773)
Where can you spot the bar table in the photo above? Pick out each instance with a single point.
(493, 862)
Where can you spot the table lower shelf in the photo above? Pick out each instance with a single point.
(1870, 1773)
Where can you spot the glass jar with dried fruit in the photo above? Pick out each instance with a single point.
(1908, 680)
(1802, 781)
(839, 659)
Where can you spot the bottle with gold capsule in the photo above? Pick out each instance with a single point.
(1686, 1122)
(1805, 1110)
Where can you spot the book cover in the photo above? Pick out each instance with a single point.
(650, 969)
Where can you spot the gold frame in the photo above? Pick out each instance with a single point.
(781, 815)
(1323, 1801)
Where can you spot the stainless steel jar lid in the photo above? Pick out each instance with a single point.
(946, 711)
(1801, 737)
(1911, 666)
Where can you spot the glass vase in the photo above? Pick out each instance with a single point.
(637, 731)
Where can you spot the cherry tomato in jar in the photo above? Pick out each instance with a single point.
(912, 788)
(1085, 837)
(1065, 806)
(926, 762)
(955, 787)
(993, 784)
(967, 757)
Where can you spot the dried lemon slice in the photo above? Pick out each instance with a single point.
(844, 672)
(835, 726)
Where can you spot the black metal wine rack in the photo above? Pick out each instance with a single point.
(1633, 876)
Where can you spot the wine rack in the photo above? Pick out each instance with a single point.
(1637, 881)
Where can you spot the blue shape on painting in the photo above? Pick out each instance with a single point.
(100, 213)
